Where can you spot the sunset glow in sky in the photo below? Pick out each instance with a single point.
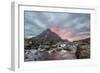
(71, 26)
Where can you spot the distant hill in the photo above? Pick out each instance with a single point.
(84, 41)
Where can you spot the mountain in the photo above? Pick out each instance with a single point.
(48, 35)
(83, 41)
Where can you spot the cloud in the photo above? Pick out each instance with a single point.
(38, 21)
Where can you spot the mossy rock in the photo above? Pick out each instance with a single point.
(83, 52)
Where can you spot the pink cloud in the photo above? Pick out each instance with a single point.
(67, 35)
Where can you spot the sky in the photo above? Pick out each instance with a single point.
(70, 26)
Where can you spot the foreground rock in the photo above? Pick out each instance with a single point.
(60, 51)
